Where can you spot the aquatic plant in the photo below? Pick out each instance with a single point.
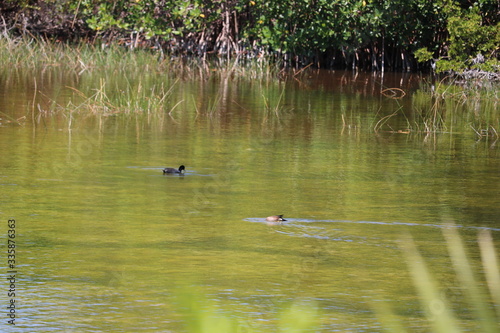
(437, 107)
(111, 98)
(278, 106)
(40, 54)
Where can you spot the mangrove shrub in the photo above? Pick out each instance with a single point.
(366, 34)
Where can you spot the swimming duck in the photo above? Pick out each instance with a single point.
(173, 170)
(275, 218)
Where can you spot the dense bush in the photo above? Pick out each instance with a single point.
(367, 34)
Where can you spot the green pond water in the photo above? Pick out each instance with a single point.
(106, 243)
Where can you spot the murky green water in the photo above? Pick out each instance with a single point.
(105, 241)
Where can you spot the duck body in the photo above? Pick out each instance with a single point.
(275, 218)
(173, 170)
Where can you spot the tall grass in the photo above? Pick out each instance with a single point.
(146, 77)
(443, 105)
(128, 98)
(26, 52)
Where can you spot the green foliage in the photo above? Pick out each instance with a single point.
(471, 32)
(449, 66)
(300, 317)
(18, 4)
(150, 18)
(468, 35)
(309, 29)
(423, 55)
(489, 66)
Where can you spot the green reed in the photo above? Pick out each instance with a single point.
(109, 97)
(112, 79)
(444, 106)
(474, 104)
(27, 52)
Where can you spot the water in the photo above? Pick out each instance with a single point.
(106, 242)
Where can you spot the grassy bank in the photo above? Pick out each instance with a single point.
(362, 35)
(40, 54)
(140, 81)
(28, 53)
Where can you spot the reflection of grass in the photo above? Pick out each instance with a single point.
(135, 80)
(434, 109)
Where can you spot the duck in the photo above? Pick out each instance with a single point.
(174, 170)
(275, 218)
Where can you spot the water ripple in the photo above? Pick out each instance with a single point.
(297, 222)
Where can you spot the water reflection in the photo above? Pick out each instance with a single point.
(340, 230)
(296, 222)
(97, 219)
